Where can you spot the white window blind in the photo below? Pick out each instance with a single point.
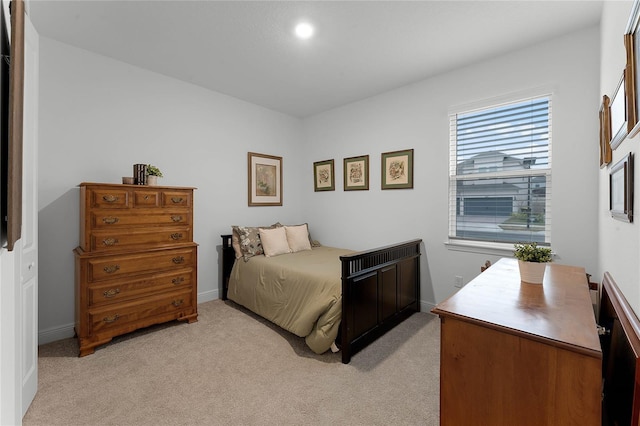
(500, 173)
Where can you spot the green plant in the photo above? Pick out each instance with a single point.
(530, 252)
(153, 171)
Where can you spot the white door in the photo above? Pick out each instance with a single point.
(29, 240)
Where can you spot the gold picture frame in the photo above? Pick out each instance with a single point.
(618, 114)
(397, 169)
(605, 133)
(356, 173)
(324, 176)
(265, 179)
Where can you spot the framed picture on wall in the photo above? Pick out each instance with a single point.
(323, 176)
(397, 169)
(356, 173)
(618, 115)
(265, 180)
(605, 132)
(621, 189)
(632, 70)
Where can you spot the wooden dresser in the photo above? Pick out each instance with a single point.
(136, 264)
(520, 354)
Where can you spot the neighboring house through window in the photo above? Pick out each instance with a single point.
(500, 173)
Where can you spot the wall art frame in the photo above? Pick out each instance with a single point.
(264, 179)
(605, 132)
(397, 169)
(356, 173)
(618, 114)
(324, 176)
(621, 189)
(632, 69)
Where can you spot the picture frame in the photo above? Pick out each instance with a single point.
(264, 179)
(632, 70)
(621, 189)
(324, 176)
(356, 173)
(605, 132)
(397, 169)
(618, 114)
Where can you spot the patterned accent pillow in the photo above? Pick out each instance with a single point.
(249, 240)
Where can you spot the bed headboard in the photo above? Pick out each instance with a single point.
(620, 339)
(228, 257)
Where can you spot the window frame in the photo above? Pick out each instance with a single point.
(499, 248)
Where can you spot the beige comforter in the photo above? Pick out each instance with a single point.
(301, 292)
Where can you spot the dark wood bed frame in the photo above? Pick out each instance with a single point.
(380, 289)
(620, 339)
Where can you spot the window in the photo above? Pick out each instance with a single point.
(500, 173)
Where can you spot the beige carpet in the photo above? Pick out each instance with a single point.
(233, 368)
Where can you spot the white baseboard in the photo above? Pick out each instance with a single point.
(208, 296)
(426, 306)
(56, 333)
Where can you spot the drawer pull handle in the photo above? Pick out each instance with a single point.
(176, 236)
(177, 303)
(178, 280)
(146, 197)
(176, 200)
(110, 198)
(178, 260)
(110, 269)
(110, 220)
(110, 241)
(111, 293)
(111, 319)
(176, 218)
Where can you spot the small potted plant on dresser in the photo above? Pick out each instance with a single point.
(532, 261)
(153, 173)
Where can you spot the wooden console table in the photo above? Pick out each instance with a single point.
(520, 354)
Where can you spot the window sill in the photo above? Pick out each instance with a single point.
(485, 247)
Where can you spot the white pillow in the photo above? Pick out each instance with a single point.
(298, 237)
(274, 241)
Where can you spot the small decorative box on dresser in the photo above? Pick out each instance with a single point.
(136, 264)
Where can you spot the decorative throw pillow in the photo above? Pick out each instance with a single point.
(274, 241)
(235, 242)
(298, 237)
(248, 237)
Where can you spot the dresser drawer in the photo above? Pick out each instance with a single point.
(176, 198)
(105, 219)
(110, 198)
(123, 239)
(146, 198)
(116, 266)
(125, 315)
(118, 291)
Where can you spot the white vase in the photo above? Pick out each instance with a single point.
(152, 180)
(532, 272)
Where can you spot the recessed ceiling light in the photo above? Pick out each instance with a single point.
(304, 30)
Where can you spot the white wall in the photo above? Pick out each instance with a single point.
(619, 241)
(416, 117)
(98, 117)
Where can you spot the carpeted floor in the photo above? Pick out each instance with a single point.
(234, 368)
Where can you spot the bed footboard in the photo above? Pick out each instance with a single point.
(380, 289)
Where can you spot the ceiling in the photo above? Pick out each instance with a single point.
(246, 49)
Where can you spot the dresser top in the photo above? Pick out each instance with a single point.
(122, 185)
(558, 312)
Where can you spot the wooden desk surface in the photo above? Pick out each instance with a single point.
(554, 313)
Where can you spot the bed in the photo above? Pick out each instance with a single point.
(326, 294)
